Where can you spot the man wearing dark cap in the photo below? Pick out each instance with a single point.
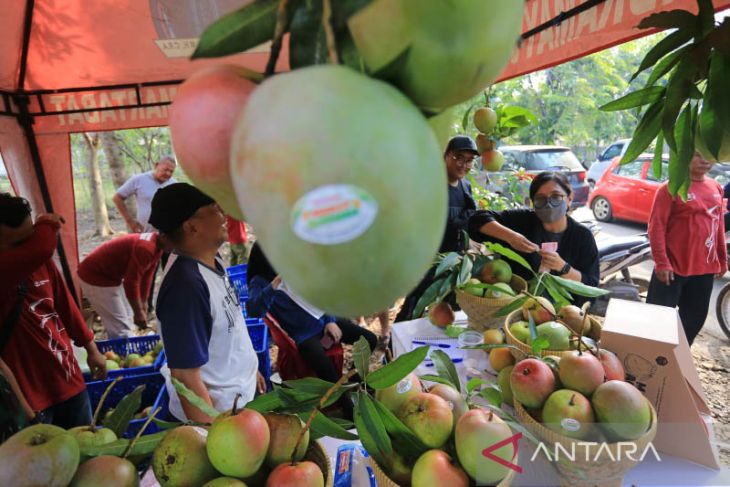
(459, 158)
(206, 341)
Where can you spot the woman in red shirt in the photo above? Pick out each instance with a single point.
(688, 246)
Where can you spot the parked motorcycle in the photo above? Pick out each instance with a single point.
(616, 257)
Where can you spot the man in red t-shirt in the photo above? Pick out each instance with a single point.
(39, 350)
(117, 278)
(688, 247)
(238, 240)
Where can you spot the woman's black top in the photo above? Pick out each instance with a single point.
(576, 244)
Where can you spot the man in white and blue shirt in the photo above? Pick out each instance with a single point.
(203, 330)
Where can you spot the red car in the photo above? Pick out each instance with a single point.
(626, 192)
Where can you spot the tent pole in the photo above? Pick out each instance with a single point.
(26, 122)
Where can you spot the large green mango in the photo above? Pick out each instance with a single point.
(439, 52)
(343, 181)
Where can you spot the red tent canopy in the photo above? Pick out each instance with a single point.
(72, 65)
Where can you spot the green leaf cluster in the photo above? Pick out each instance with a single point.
(685, 100)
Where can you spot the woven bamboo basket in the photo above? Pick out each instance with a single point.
(385, 481)
(592, 465)
(480, 311)
(317, 454)
(525, 349)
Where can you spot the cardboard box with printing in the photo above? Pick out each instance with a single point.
(650, 342)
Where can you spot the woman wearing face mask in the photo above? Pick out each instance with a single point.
(535, 233)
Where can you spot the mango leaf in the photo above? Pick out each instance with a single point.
(539, 344)
(554, 292)
(194, 399)
(465, 272)
(373, 423)
(344, 423)
(435, 378)
(679, 165)
(452, 331)
(579, 288)
(451, 260)
(473, 383)
(312, 385)
(657, 161)
(361, 357)
(516, 304)
(509, 112)
(492, 394)
(240, 30)
(366, 437)
(447, 287)
(297, 401)
(119, 420)
(719, 38)
(494, 288)
(646, 131)
(266, 402)
(715, 115)
(429, 296)
(678, 89)
(635, 99)
(665, 65)
(166, 425)
(398, 369)
(672, 19)
(445, 368)
(323, 426)
(307, 40)
(144, 446)
(406, 439)
(509, 253)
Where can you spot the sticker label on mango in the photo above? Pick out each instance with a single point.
(404, 386)
(570, 424)
(333, 214)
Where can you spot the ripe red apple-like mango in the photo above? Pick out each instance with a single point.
(465, 40)
(336, 171)
(623, 411)
(202, 117)
(181, 458)
(238, 443)
(476, 431)
(441, 314)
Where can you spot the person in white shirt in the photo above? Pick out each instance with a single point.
(143, 187)
(203, 330)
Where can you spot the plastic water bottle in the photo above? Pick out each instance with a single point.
(353, 468)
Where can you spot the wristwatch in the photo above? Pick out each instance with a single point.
(564, 270)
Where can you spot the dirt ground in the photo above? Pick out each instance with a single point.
(711, 355)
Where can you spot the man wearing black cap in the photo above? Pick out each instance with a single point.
(459, 157)
(206, 341)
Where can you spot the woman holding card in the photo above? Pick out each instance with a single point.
(544, 235)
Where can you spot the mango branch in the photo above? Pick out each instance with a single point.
(329, 32)
(322, 402)
(279, 30)
(94, 420)
(139, 433)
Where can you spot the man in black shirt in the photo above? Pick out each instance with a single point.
(459, 157)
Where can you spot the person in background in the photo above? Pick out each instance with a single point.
(688, 246)
(39, 319)
(238, 240)
(536, 232)
(205, 336)
(143, 187)
(459, 157)
(116, 278)
(312, 329)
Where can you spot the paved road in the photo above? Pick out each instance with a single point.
(623, 228)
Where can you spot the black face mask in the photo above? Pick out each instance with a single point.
(550, 214)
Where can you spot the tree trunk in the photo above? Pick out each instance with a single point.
(115, 159)
(96, 188)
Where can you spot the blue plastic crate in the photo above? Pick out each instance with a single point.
(123, 347)
(154, 395)
(260, 340)
(237, 275)
(254, 321)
